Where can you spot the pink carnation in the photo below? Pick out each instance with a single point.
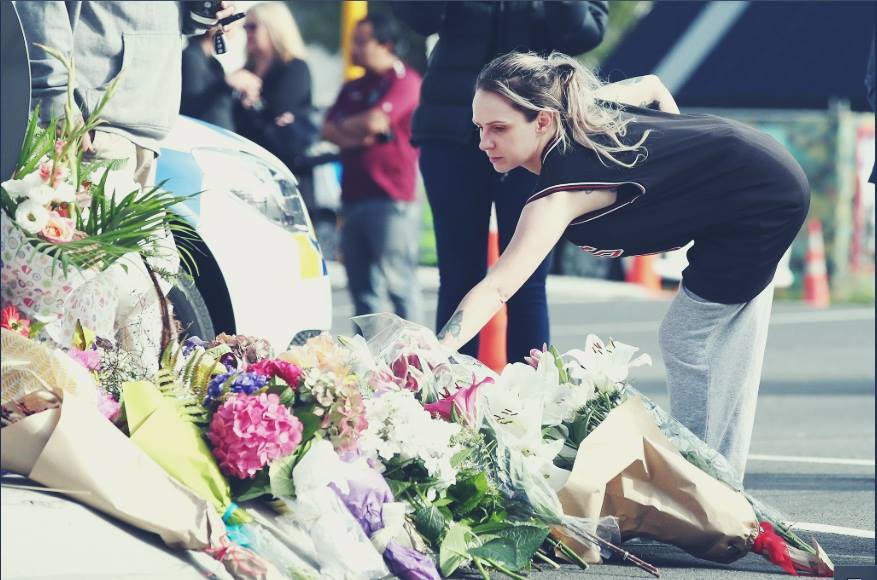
(107, 405)
(89, 358)
(250, 431)
(271, 368)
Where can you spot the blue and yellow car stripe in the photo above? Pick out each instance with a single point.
(310, 259)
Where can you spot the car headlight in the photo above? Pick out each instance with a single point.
(268, 187)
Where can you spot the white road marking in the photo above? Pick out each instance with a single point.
(826, 529)
(803, 317)
(805, 459)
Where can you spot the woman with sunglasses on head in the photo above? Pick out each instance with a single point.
(619, 179)
(276, 112)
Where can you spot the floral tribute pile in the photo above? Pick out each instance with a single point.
(346, 458)
(382, 455)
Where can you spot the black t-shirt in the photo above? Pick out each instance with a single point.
(736, 192)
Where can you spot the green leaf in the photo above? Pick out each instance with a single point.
(36, 328)
(501, 550)
(287, 397)
(399, 488)
(562, 376)
(82, 337)
(454, 550)
(442, 502)
(513, 546)
(460, 456)
(247, 489)
(430, 522)
(468, 493)
(527, 538)
(280, 476)
(310, 422)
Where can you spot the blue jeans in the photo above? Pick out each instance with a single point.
(379, 244)
(461, 185)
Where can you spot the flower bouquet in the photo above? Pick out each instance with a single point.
(472, 465)
(71, 229)
(627, 457)
(56, 436)
(260, 417)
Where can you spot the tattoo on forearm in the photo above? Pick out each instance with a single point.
(453, 326)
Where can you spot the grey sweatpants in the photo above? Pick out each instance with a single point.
(380, 246)
(713, 355)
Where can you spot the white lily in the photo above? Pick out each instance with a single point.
(42, 193)
(18, 188)
(605, 365)
(63, 192)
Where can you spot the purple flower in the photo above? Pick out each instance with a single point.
(409, 564)
(247, 383)
(366, 500)
(229, 360)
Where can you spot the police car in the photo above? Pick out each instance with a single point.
(260, 270)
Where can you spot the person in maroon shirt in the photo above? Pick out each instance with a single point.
(371, 124)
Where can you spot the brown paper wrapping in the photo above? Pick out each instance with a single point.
(74, 448)
(628, 469)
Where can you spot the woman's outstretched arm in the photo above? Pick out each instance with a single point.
(541, 224)
(640, 92)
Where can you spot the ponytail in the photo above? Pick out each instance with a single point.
(560, 85)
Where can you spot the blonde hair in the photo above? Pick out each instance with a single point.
(282, 29)
(560, 85)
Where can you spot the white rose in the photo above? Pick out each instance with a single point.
(41, 194)
(63, 193)
(31, 216)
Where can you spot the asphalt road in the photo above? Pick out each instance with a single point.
(813, 448)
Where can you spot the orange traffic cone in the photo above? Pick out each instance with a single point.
(492, 339)
(816, 292)
(642, 271)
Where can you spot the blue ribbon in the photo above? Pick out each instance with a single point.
(236, 533)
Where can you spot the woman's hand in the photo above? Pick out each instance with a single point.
(284, 119)
(249, 85)
(226, 9)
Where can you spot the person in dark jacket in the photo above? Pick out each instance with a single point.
(460, 184)
(278, 117)
(208, 93)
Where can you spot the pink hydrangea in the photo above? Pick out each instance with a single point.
(250, 431)
(271, 368)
